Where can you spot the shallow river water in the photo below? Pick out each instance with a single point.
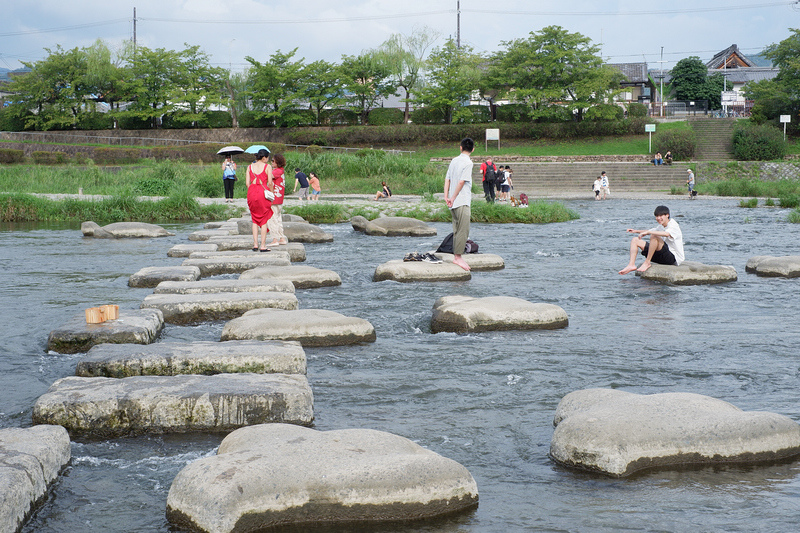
(484, 400)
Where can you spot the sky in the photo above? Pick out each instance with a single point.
(229, 31)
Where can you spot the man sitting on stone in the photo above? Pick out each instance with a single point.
(665, 246)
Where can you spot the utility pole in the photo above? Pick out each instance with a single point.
(458, 24)
(134, 28)
(661, 66)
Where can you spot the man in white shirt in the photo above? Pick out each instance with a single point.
(458, 197)
(665, 246)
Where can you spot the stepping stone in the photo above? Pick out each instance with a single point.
(237, 264)
(295, 231)
(477, 262)
(134, 326)
(205, 234)
(770, 266)
(30, 461)
(211, 286)
(109, 407)
(151, 276)
(462, 314)
(185, 250)
(123, 230)
(618, 433)
(689, 273)
(303, 277)
(173, 358)
(277, 475)
(409, 271)
(296, 251)
(393, 227)
(196, 308)
(309, 327)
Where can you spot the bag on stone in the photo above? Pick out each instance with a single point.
(471, 247)
(447, 246)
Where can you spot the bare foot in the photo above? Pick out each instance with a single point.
(460, 262)
(627, 269)
(283, 241)
(273, 243)
(644, 267)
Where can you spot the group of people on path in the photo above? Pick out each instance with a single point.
(496, 178)
(300, 179)
(266, 188)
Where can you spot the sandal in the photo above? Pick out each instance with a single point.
(265, 250)
(255, 248)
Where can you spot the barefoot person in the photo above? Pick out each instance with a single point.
(665, 246)
(458, 197)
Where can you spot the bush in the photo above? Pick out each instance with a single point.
(118, 156)
(553, 114)
(12, 120)
(758, 143)
(604, 112)
(133, 122)
(513, 113)
(751, 203)
(49, 158)
(95, 121)
(8, 156)
(681, 142)
(636, 109)
(252, 119)
(478, 114)
(427, 115)
(383, 116)
(215, 119)
(791, 201)
(338, 117)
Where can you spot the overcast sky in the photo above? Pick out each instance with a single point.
(627, 30)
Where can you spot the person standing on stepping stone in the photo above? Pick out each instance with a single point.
(458, 197)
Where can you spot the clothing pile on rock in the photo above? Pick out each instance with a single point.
(427, 257)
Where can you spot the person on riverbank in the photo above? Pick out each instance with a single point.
(313, 182)
(458, 197)
(488, 180)
(665, 246)
(301, 179)
(657, 159)
(690, 183)
(385, 192)
(275, 223)
(228, 177)
(604, 185)
(596, 187)
(258, 180)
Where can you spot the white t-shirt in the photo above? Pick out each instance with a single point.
(675, 239)
(460, 170)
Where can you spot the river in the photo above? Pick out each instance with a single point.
(485, 400)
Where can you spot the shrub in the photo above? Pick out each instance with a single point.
(118, 156)
(13, 120)
(513, 113)
(215, 119)
(604, 112)
(338, 117)
(476, 114)
(758, 143)
(636, 109)
(681, 142)
(251, 119)
(751, 203)
(49, 158)
(553, 114)
(8, 156)
(95, 121)
(383, 116)
(769, 202)
(791, 201)
(176, 120)
(133, 122)
(427, 115)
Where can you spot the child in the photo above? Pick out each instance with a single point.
(275, 223)
(313, 182)
(596, 188)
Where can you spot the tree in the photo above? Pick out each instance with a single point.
(104, 74)
(452, 76)
(276, 87)
(405, 59)
(780, 95)
(689, 79)
(323, 86)
(200, 84)
(365, 79)
(152, 87)
(551, 67)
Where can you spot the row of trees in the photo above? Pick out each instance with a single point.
(780, 95)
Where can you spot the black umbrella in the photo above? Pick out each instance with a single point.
(230, 150)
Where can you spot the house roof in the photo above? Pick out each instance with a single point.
(730, 58)
(746, 74)
(634, 72)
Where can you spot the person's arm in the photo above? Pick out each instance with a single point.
(296, 181)
(270, 184)
(247, 177)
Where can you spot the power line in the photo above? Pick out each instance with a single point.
(301, 21)
(64, 28)
(633, 13)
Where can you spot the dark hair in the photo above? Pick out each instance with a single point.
(262, 154)
(467, 145)
(280, 161)
(297, 170)
(661, 210)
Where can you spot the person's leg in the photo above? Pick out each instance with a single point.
(255, 235)
(274, 225)
(461, 218)
(653, 246)
(264, 237)
(637, 244)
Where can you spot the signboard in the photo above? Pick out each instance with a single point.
(786, 118)
(492, 135)
(730, 97)
(649, 128)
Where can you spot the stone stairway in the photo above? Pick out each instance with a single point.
(552, 178)
(713, 138)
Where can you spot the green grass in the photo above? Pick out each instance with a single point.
(751, 203)
(785, 188)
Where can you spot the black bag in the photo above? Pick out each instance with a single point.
(471, 247)
(491, 174)
(447, 246)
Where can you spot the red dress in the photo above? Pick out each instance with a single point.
(279, 186)
(260, 207)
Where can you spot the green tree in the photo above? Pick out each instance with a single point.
(452, 77)
(276, 87)
(323, 86)
(200, 85)
(104, 74)
(152, 87)
(553, 66)
(366, 80)
(690, 81)
(780, 95)
(404, 57)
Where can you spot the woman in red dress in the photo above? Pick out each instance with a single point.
(275, 223)
(258, 180)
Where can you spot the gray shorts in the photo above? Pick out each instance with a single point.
(303, 193)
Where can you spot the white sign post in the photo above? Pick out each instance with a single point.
(785, 119)
(492, 135)
(650, 128)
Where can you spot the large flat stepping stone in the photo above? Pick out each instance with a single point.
(296, 250)
(393, 227)
(410, 271)
(300, 231)
(149, 277)
(309, 327)
(30, 461)
(279, 475)
(134, 326)
(185, 250)
(618, 433)
(462, 314)
(211, 286)
(196, 308)
(110, 407)
(690, 273)
(207, 358)
(302, 276)
(477, 262)
(787, 266)
(236, 264)
(123, 230)
(205, 234)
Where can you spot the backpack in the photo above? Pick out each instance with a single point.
(523, 199)
(447, 246)
(491, 174)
